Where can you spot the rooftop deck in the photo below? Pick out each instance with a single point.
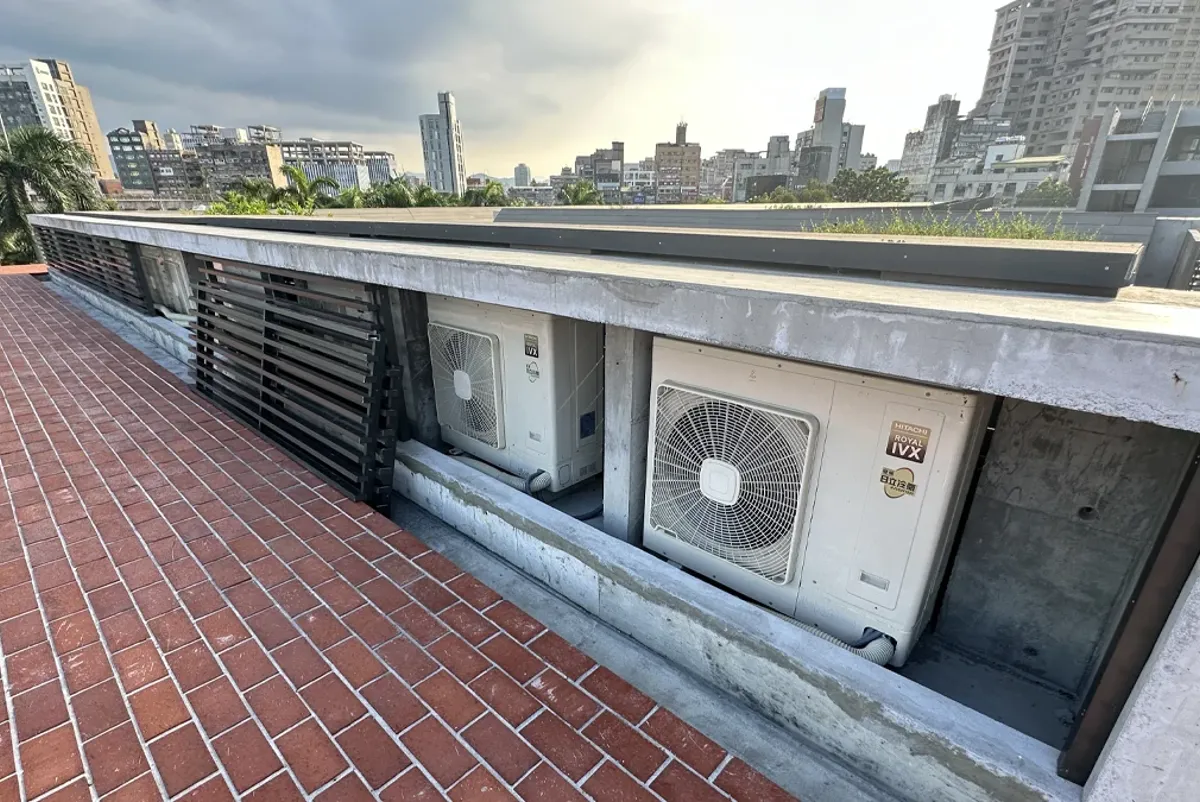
(185, 613)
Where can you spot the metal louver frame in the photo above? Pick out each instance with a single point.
(304, 360)
(109, 266)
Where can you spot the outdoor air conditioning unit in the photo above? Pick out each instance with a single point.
(523, 391)
(829, 496)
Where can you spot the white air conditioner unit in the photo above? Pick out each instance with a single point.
(523, 391)
(827, 495)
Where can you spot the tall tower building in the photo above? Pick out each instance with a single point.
(521, 175)
(43, 92)
(151, 136)
(441, 141)
(1056, 64)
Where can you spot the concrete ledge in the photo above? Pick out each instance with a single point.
(912, 741)
(170, 337)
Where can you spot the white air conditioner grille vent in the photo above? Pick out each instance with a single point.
(729, 478)
(466, 373)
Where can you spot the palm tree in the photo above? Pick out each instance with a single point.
(257, 189)
(492, 194)
(395, 194)
(40, 172)
(581, 193)
(428, 196)
(350, 198)
(304, 191)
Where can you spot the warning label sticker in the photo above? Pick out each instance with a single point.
(908, 441)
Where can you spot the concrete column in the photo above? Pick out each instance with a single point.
(1151, 754)
(1159, 156)
(410, 321)
(626, 425)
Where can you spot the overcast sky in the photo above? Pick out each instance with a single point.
(536, 81)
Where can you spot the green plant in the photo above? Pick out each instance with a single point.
(426, 195)
(305, 192)
(877, 185)
(492, 194)
(395, 194)
(236, 203)
(39, 172)
(986, 225)
(580, 193)
(1050, 192)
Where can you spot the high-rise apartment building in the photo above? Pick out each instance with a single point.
(343, 161)
(1054, 65)
(264, 134)
(441, 141)
(606, 169)
(925, 148)
(521, 175)
(677, 168)
(150, 134)
(381, 166)
(210, 134)
(177, 174)
(43, 92)
(133, 164)
(832, 144)
(172, 140)
(225, 162)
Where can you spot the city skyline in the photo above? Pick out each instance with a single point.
(534, 84)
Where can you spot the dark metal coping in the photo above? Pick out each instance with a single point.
(1092, 268)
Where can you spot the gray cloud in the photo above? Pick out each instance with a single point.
(363, 66)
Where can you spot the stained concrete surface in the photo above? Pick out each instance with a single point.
(1066, 511)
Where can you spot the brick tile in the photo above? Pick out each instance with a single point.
(340, 595)
(323, 627)
(181, 758)
(223, 629)
(468, 623)
(278, 789)
(50, 760)
(193, 665)
(99, 708)
(215, 790)
(333, 703)
(562, 655)
(201, 599)
(544, 784)
(432, 595)
(248, 599)
(610, 784)
(155, 599)
(311, 569)
(269, 569)
(355, 570)
(83, 668)
(687, 743)
(394, 702)
(347, 789)
(142, 789)
(311, 755)
(474, 592)
(227, 572)
(411, 787)
(13, 572)
(67, 599)
(370, 547)
(173, 630)
(139, 665)
(561, 745)
(438, 566)
(96, 574)
(31, 668)
(480, 786)
(115, 758)
(618, 694)
(140, 573)
(184, 572)
(746, 785)
(419, 624)
(39, 710)
(557, 693)
(385, 595)
(121, 630)
(513, 658)
(294, 597)
(53, 574)
(277, 706)
(158, 708)
(272, 627)
(249, 549)
(78, 791)
(246, 755)
(373, 752)
(450, 699)
(515, 621)
(677, 784)
(247, 664)
(109, 600)
(22, 632)
(356, 662)
(624, 744)
(218, 706)
(442, 755)
(506, 753)
(371, 626)
(505, 696)
(300, 662)
(398, 569)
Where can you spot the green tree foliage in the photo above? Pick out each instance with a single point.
(39, 172)
(581, 193)
(1050, 192)
(813, 192)
(395, 194)
(878, 185)
(235, 203)
(712, 199)
(492, 194)
(426, 195)
(303, 191)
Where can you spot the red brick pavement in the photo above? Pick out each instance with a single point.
(187, 614)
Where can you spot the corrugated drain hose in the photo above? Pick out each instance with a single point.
(532, 484)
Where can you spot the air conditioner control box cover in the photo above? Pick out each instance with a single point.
(550, 389)
(888, 467)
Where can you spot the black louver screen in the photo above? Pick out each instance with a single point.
(108, 266)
